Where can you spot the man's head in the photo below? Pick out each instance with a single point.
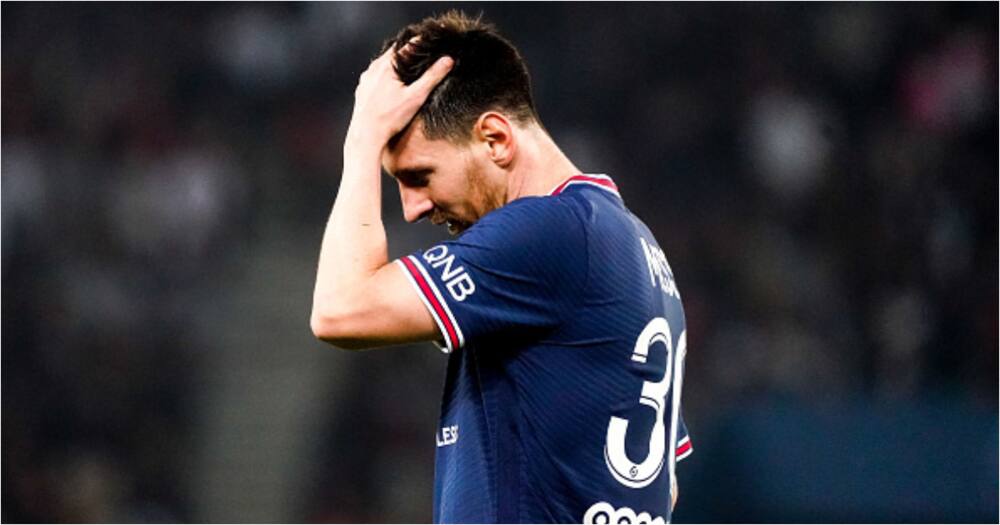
(489, 74)
(452, 159)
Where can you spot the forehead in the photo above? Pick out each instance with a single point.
(412, 150)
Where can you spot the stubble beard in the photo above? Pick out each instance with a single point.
(484, 199)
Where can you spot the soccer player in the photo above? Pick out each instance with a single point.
(559, 312)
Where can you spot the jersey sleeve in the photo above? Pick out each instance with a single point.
(684, 448)
(514, 273)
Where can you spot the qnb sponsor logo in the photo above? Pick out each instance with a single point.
(604, 514)
(455, 278)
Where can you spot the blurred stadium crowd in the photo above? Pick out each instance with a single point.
(822, 177)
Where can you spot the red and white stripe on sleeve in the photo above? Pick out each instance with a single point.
(684, 448)
(435, 303)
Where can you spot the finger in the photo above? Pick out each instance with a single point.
(434, 75)
(410, 46)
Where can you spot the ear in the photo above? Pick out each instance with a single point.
(496, 133)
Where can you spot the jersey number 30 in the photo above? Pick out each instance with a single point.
(654, 396)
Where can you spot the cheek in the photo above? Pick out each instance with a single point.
(451, 189)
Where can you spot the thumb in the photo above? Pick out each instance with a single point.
(434, 75)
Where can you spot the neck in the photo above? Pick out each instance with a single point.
(540, 165)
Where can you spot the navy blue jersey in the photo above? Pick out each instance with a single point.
(567, 339)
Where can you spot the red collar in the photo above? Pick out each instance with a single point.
(600, 180)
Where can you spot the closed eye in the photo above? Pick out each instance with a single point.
(414, 178)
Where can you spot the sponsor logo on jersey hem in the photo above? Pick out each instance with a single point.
(603, 513)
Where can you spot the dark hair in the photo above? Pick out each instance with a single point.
(489, 74)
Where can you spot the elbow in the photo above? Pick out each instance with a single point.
(321, 327)
(335, 329)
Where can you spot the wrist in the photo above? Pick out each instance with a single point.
(361, 140)
(362, 155)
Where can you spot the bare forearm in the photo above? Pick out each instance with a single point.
(355, 287)
(354, 244)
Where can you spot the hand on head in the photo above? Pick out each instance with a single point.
(383, 104)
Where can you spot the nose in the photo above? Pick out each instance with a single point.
(416, 203)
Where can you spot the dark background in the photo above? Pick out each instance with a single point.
(822, 178)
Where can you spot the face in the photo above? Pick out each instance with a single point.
(448, 183)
